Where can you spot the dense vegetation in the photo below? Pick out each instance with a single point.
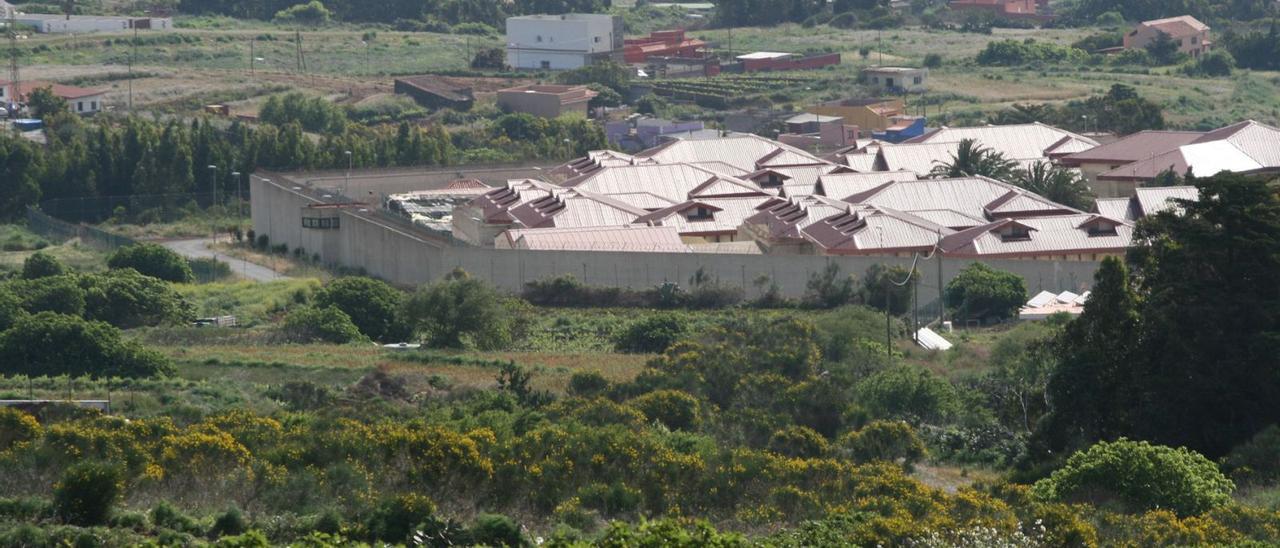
(448, 12)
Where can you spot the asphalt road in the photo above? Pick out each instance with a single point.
(199, 249)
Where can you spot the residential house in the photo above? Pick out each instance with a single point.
(641, 132)
(79, 100)
(818, 132)
(546, 100)
(870, 114)
(897, 79)
(1191, 35)
(1008, 9)
(562, 42)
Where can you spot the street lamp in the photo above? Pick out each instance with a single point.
(346, 188)
(213, 184)
(235, 176)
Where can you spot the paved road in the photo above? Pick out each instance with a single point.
(199, 249)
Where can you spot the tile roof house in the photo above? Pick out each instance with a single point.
(1191, 35)
(1247, 147)
(79, 100)
(1011, 9)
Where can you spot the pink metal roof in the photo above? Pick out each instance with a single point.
(977, 197)
(631, 238)
(869, 230)
(1017, 142)
(1152, 200)
(742, 151)
(672, 182)
(1177, 27)
(1054, 235)
(726, 215)
(1246, 147)
(842, 185)
(574, 208)
(1139, 146)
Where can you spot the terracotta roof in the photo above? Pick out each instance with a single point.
(66, 92)
(629, 238)
(1176, 27)
(1139, 146)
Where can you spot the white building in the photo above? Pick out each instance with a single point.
(61, 24)
(79, 100)
(562, 42)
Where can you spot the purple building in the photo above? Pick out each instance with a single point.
(641, 133)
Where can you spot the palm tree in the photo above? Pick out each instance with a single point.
(971, 160)
(1064, 186)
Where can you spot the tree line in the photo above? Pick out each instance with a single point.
(134, 155)
(452, 12)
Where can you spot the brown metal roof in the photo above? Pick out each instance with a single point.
(1139, 146)
(631, 238)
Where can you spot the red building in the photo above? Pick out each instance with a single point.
(662, 43)
(1012, 9)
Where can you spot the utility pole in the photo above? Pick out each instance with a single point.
(133, 52)
(251, 57)
(213, 221)
(13, 61)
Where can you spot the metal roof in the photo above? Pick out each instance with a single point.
(1017, 142)
(764, 55)
(742, 151)
(1245, 147)
(1176, 27)
(574, 208)
(1054, 235)
(977, 197)
(1116, 208)
(1139, 146)
(843, 185)
(672, 182)
(869, 230)
(725, 214)
(861, 162)
(1152, 200)
(631, 238)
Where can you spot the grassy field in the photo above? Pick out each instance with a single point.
(18, 243)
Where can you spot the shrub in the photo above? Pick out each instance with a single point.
(373, 306)
(587, 383)
(884, 440)
(828, 289)
(16, 427)
(10, 308)
(652, 335)
(152, 260)
(126, 299)
(228, 523)
(496, 530)
(1140, 475)
(798, 441)
(301, 395)
(42, 265)
(396, 517)
(932, 60)
(87, 493)
(323, 324)
(208, 270)
(310, 13)
(674, 409)
(1255, 461)
(909, 393)
(462, 311)
(164, 515)
(59, 294)
(55, 344)
(980, 291)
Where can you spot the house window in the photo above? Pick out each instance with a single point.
(2, 92)
(79, 106)
(93, 105)
(918, 80)
(539, 37)
(700, 214)
(888, 82)
(1102, 229)
(597, 39)
(1195, 39)
(323, 223)
(546, 64)
(1016, 233)
(875, 79)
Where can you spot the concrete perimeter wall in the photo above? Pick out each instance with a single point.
(402, 254)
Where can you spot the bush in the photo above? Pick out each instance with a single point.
(320, 324)
(1140, 475)
(58, 294)
(311, 13)
(982, 292)
(49, 344)
(884, 441)
(464, 311)
(496, 530)
(42, 265)
(798, 441)
(652, 335)
(674, 409)
(1215, 63)
(165, 516)
(587, 383)
(208, 270)
(87, 493)
(228, 523)
(909, 393)
(16, 427)
(828, 289)
(396, 517)
(152, 260)
(373, 306)
(932, 61)
(1255, 461)
(10, 309)
(126, 299)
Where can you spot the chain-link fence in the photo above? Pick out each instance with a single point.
(41, 223)
(138, 209)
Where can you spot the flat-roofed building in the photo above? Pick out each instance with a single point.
(546, 100)
(562, 42)
(897, 79)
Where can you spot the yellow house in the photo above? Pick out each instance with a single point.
(867, 114)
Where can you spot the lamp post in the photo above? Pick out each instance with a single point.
(213, 220)
(346, 187)
(235, 176)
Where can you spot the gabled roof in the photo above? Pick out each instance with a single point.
(783, 218)
(493, 206)
(861, 162)
(843, 185)
(977, 197)
(1152, 200)
(672, 182)
(1116, 208)
(25, 87)
(1139, 146)
(574, 208)
(632, 238)
(1177, 27)
(742, 151)
(1054, 235)
(1018, 142)
(1245, 147)
(796, 175)
(865, 230)
(727, 214)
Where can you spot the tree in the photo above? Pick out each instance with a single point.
(827, 289)
(675, 409)
(373, 306)
(653, 334)
(982, 292)
(42, 265)
(126, 299)
(880, 289)
(1163, 49)
(49, 344)
(608, 73)
(320, 324)
(1208, 275)
(1214, 63)
(88, 492)
(605, 96)
(461, 311)
(45, 104)
(60, 294)
(21, 167)
(152, 260)
(1141, 476)
(909, 393)
(310, 13)
(884, 441)
(10, 309)
(1057, 183)
(971, 159)
(489, 58)
(1091, 392)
